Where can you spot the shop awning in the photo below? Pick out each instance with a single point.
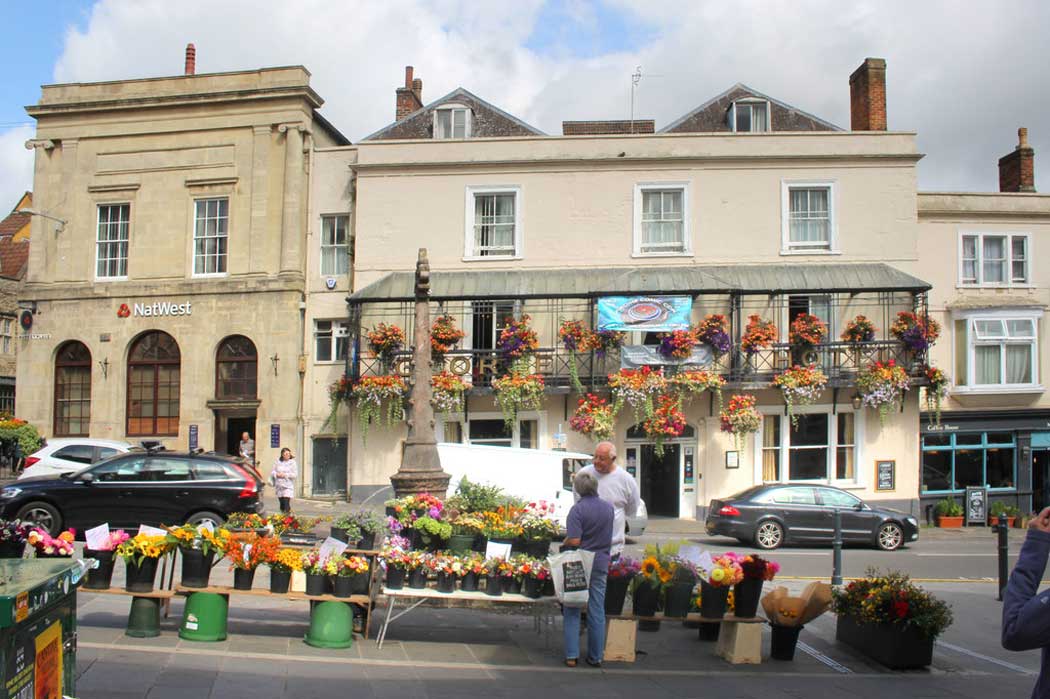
(604, 281)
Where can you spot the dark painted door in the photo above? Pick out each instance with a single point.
(660, 487)
(329, 467)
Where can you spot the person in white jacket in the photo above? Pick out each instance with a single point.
(282, 478)
(616, 487)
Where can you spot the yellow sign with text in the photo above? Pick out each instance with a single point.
(48, 670)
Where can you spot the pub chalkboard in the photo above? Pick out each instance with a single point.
(976, 505)
(885, 475)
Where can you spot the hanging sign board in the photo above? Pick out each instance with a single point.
(637, 356)
(885, 475)
(653, 313)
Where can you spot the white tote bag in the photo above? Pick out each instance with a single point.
(571, 572)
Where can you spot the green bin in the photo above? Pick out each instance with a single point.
(38, 623)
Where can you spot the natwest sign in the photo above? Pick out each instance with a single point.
(158, 308)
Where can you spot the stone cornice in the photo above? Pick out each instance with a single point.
(88, 291)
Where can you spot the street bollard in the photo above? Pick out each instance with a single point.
(836, 550)
(1004, 555)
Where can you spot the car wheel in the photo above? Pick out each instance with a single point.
(769, 535)
(891, 537)
(43, 515)
(200, 518)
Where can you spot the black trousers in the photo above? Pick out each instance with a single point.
(286, 504)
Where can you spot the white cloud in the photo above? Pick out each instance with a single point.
(964, 76)
(16, 166)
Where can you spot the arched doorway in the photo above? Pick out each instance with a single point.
(667, 478)
(236, 393)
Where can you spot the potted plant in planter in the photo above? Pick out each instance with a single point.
(141, 553)
(432, 532)
(805, 333)
(369, 525)
(495, 570)
(404, 512)
(949, 513)
(102, 577)
(538, 528)
(472, 572)
(47, 546)
(1001, 508)
(395, 560)
(316, 573)
(448, 569)
(444, 334)
(418, 563)
(12, 538)
(756, 570)
(621, 572)
(197, 545)
(245, 554)
(715, 592)
(500, 529)
(535, 573)
(283, 561)
(345, 529)
(649, 586)
(350, 575)
(465, 529)
(889, 619)
(788, 615)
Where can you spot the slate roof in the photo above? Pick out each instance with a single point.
(615, 281)
(486, 120)
(711, 115)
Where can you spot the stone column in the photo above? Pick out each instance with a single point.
(291, 221)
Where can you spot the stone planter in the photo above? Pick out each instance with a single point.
(896, 647)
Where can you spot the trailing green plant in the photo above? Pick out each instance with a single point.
(430, 529)
(347, 523)
(1001, 508)
(368, 521)
(948, 508)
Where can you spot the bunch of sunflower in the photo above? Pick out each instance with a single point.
(657, 571)
(142, 546)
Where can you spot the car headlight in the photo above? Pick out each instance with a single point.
(9, 492)
(912, 521)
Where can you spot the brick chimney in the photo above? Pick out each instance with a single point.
(191, 59)
(1017, 169)
(409, 97)
(867, 96)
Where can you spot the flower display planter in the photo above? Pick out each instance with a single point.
(994, 521)
(539, 548)
(280, 580)
(745, 598)
(417, 579)
(493, 587)
(367, 542)
(784, 641)
(196, 567)
(139, 577)
(339, 534)
(677, 599)
(395, 577)
(945, 522)
(511, 585)
(102, 577)
(460, 543)
(342, 586)
(469, 582)
(243, 578)
(645, 601)
(713, 601)
(446, 582)
(359, 583)
(316, 584)
(616, 594)
(532, 588)
(12, 549)
(896, 647)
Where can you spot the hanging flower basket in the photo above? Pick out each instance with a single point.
(379, 399)
(667, 422)
(444, 335)
(807, 331)
(882, 386)
(575, 337)
(447, 394)
(758, 334)
(385, 340)
(341, 392)
(740, 418)
(690, 384)
(800, 386)
(516, 392)
(917, 332)
(936, 392)
(594, 416)
(518, 339)
(858, 330)
(605, 341)
(637, 388)
(677, 344)
(713, 331)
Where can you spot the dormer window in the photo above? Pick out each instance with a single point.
(452, 121)
(749, 116)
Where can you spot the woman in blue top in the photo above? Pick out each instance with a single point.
(589, 527)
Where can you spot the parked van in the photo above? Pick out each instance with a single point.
(530, 474)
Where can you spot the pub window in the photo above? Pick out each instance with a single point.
(236, 365)
(154, 364)
(72, 390)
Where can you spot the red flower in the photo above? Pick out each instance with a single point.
(900, 608)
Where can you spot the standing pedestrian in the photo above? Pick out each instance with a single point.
(589, 527)
(283, 476)
(1026, 615)
(616, 487)
(247, 448)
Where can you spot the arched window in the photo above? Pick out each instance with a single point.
(153, 385)
(72, 390)
(236, 364)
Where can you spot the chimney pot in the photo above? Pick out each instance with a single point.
(1022, 137)
(191, 59)
(408, 77)
(408, 98)
(867, 93)
(1017, 168)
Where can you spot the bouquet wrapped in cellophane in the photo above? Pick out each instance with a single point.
(784, 610)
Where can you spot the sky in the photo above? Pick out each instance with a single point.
(963, 75)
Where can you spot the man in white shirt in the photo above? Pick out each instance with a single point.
(616, 487)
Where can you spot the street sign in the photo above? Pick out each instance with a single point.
(275, 436)
(193, 437)
(976, 505)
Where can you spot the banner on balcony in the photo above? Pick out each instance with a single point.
(637, 356)
(651, 313)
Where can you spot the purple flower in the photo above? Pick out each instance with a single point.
(718, 340)
(393, 524)
(434, 513)
(914, 338)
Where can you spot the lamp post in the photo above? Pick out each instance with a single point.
(420, 470)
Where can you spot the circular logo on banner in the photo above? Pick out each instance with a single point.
(26, 320)
(123, 311)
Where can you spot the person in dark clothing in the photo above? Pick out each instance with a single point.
(1026, 614)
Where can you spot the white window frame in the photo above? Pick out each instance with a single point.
(468, 234)
(858, 482)
(193, 237)
(7, 334)
(453, 107)
(789, 248)
(979, 282)
(687, 232)
(99, 243)
(751, 101)
(1035, 315)
(831, 321)
(335, 247)
(340, 328)
(540, 416)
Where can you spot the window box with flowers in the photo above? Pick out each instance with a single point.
(806, 332)
(758, 334)
(713, 331)
(517, 341)
(917, 332)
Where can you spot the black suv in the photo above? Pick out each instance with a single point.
(154, 487)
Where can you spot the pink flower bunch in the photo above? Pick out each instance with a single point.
(45, 544)
(114, 540)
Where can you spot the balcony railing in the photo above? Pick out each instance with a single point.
(840, 361)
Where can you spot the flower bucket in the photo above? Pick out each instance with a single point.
(532, 588)
(645, 602)
(12, 549)
(540, 548)
(460, 543)
(415, 539)
(679, 595)
(367, 542)
(493, 587)
(359, 583)
(279, 581)
(616, 594)
(481, 542)
(342, 586)
(316, 584)
(446, 582)
(243, 578)
(339, 534)
(745, 597)
(517, 546)
(102, 577)
(713, 601)
(511, 585)
(469, 582)
(140, 577)
(395, 577)
(417, 579)
(548, 587)
(196, 567)
(785, 639)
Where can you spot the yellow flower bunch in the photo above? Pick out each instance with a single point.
(288, 559)
(144, 546)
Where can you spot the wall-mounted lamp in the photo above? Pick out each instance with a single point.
(857, 401)
(103, 364)
(273, 360)
(61, 223)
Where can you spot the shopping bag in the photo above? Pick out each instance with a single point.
(571, 572)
